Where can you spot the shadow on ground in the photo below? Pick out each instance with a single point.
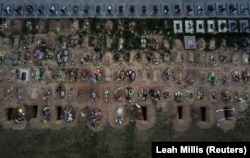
(80, 141)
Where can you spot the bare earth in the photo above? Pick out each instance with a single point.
(147, 75)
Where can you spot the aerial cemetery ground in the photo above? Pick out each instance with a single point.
(105, 85)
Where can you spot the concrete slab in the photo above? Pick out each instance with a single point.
(7, 9)
(75, 9)
(244, 25)
(158, 8)
(221, 8)
(18, 9)
(199, 9)
(143, 9)
(233, 26)
(243, 8)
(222, 26)
(189, 26)
(155, 9)
(210, 9)
(211, 26)
(121, 9)
(178, 27)
(52, 9)
(132, 9)
(29, 9)
(188, 9)
(1, 7)
(88, 9)
(190, 42)
(177, 9)
(200, 26)
(110, 9)
(232, 8)
(41, 9)
(166, 9)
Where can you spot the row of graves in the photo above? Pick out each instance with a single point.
(241, 76)
(42, 52)
(39, 53)
(69, 75)
(64, 56)
(123, 74)
(143, 94)
(212, 77)
(24, 113)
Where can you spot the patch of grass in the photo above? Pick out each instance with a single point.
(80, 141)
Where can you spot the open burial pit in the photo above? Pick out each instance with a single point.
(144, 113)
(180, 112)
(31, 111)
(203, 113)
(200, 114)
(228, 113)
(9, 114)
(139, 112)
(59, 113)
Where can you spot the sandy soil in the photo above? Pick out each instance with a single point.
(148, 75)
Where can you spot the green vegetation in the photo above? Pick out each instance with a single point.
(210, 7)
(116, 56)
(80, 141)
(126, 56)
(138, 56)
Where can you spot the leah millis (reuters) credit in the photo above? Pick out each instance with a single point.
(201, 149)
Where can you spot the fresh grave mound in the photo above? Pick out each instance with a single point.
(92, 94)
(85, 74)
(95, 117)
(190, 78)
(168, 75)
(84, 58)
(69, 113)
(129, 93)
(119, 115)
(178, 96)
(201, 94)
(212, 78)
(19, 115)
(118, 93)
(31, 112)
(236, 75)
(45, 114)
(246, 75)
(130, 74)
(155, 94)
(227, 95)
(60, 91)
(120, 75)
(97, 76)
(178, 75)
(84, 112)
(142, 93)
(106, 95)
(46, 92)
